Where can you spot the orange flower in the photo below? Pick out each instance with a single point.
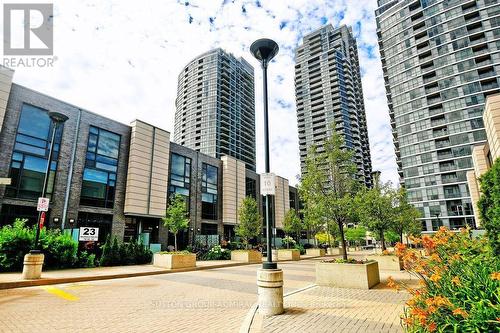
(432, 309)
(435, 278)
(385, 252)
(391, 283)
(460, 312)
(435, 257)
(428, 243)
(495, 276)
(432, 327)
(415, 240)
(456, 281)
(441, 301)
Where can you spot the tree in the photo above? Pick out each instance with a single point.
(312, 220)
(356, 235)
(489, 205)
(375, 208)
(292, 225)
(175, 219)
(330, 182)
(406, 217)
(250, 220)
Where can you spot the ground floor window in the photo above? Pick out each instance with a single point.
(94, 220)
(9, 213)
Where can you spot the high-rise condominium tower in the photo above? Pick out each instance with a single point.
(215, 107)
(440, 60)
(328, 93)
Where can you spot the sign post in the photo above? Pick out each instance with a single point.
(268, 184)
(43, 204)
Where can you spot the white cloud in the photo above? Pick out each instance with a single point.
(121, 58)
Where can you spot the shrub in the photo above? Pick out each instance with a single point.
(288, 242)
(85, 260)
(133, 253)
(489, 205)
(300, 248)
(60, 250)
(15, 242)
(460, 279)
(105, 259)
(217, 253)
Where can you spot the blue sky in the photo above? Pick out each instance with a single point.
(121, 58)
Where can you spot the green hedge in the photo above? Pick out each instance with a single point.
(116, 254)
(60, 250)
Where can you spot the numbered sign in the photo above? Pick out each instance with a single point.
(88, 234)
(267, 184)
(43, 204)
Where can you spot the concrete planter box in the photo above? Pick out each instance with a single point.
(246, 256)
(288, 254)
(335, 251)
(387, 262)
(174, 260)
(356, 276)
(315, 252)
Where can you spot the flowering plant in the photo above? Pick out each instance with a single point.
(459, 284)
(345, 261)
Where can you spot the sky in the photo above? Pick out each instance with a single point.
(121, 59)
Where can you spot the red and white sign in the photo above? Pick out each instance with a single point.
(42, 219)
(43, 204)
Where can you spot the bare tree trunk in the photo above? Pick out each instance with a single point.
(401, 237)
(382, 239)
(341, 229)
(175, 241)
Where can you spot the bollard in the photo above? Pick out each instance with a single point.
(32, 268)
(270, 284)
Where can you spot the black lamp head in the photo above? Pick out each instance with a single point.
(264, 49)
(57, 117)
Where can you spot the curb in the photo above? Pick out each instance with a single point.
(50, 281)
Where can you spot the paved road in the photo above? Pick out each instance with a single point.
(204, 301)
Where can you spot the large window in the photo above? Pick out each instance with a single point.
(209, 192)
(101, 164)
(180, 175)
(30, 155)
(251, 188)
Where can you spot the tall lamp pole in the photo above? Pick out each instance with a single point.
(265, 50)
(56, 119)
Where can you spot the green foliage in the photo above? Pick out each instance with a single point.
(15, 242)
(60, 250)
(329, 184)
(405, 217)
(324, 238)
(300, 248)
(460, 284)
(175, 219)
(217, 253)
(85, 260)
(288, 242)
(250, 220)
(106, 257)
(489, 205)
(132, 253)
(292, 224)
(356, 235)
(375, 209)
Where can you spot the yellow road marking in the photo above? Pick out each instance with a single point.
(60, 293)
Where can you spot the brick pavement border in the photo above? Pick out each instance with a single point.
(50, 281)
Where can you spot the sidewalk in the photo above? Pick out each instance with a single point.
(331, 309)
(14, 280)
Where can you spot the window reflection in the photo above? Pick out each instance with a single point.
(31, 150)
(180, 173)
(101, 163)
(209, 192)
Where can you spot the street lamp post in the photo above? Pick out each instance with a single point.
(265, 50)
(33, 261)
(269, 278)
